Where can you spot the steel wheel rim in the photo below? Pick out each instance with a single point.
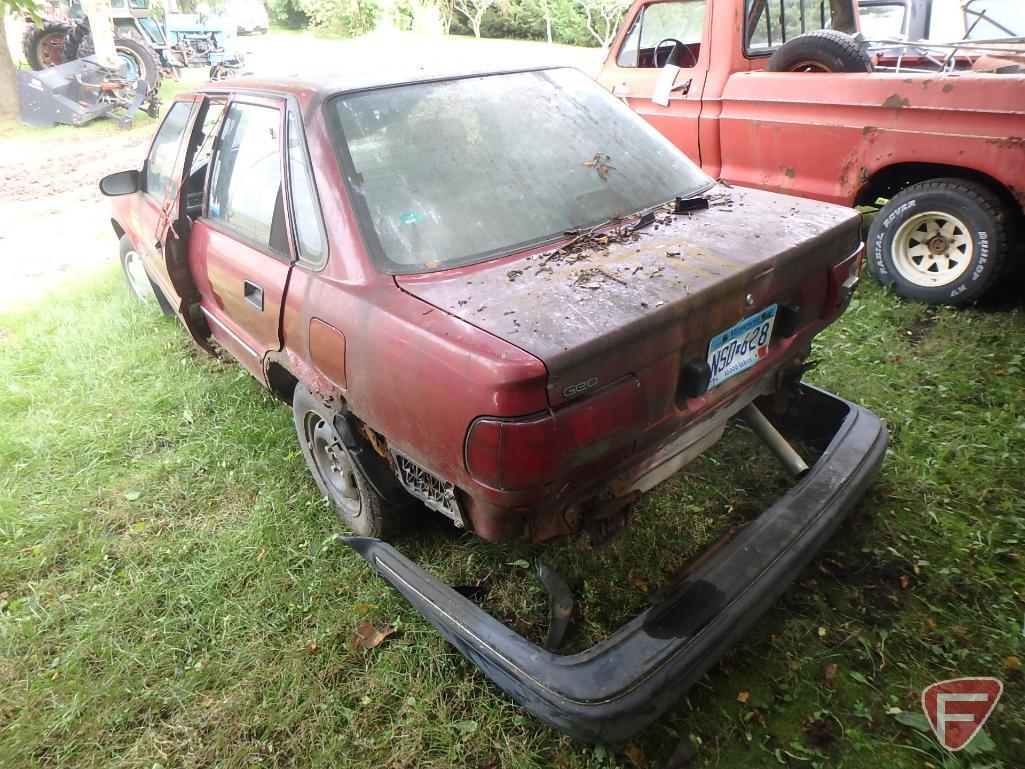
(138, 280)
(333, 464)
(810, 66)
(50, 49)
(134, 69)
(932, 248)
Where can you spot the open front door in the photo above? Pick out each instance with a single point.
(660, 66)
(164, 212)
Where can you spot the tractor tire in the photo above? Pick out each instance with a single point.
(44, 47)
(824, 50)
(943, 241)
(141, 57)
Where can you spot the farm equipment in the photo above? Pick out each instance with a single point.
(79, 91)
(148, 48)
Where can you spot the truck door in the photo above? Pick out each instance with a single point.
(239, 253)
(659, 68)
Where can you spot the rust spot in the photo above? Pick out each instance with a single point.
(894, 101)
(948, 88)
(790, 173)
(869, 129)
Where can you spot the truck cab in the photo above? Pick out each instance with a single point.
(781, 96)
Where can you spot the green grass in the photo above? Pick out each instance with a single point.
(171, 596)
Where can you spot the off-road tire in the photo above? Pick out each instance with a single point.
(373, 516)
(34, 38)
(978, 229)
(824, 50)
(143, 55)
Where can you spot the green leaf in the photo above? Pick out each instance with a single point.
(466, 727)
(859, 677)
(131, 496)
(981, 743)
(915, 721)
(521, 563)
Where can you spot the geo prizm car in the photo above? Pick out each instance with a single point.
(503, 297)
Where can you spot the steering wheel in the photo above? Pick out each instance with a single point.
(676, 45)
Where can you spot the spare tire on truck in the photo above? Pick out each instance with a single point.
(44, 46)
(824, 50)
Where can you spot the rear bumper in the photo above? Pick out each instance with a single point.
(623, 683)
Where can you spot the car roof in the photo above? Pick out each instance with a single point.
(326, 84)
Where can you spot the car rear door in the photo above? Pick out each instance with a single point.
(239, 253)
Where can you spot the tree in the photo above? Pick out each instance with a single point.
(474, 11)
(603, 18)
(546, 9)
(8, 76)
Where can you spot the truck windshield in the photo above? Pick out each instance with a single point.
(453, 172)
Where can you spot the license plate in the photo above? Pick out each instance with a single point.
(740, 347)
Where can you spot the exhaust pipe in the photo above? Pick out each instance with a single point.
(772, 438)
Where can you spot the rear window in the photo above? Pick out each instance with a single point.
(458, 171)
(994, 19)
(770, 23)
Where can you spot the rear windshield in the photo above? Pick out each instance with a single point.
(459, 171)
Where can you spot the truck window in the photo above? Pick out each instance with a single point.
(683, 21)
(309, 227)
(245, 181)
(770, 23)
(994, 19)
(882, 21)
(163, 156)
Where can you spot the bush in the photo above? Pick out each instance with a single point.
(346, 17)
(288, 14)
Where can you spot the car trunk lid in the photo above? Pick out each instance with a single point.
(594, 313)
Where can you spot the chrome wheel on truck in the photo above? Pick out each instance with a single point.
(943, 241)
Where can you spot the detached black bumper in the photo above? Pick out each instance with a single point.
(623, 683)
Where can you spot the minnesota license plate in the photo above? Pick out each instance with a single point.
(740, 347)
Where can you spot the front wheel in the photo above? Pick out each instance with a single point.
(338, 477)
(943, 242)
(135, 273)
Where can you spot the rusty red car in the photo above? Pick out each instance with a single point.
(779, 96)
(505, 298)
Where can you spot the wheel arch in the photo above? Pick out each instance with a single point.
(281, 381)
(888, 181)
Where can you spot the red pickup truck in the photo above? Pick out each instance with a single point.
(943, 154)
(505, 296)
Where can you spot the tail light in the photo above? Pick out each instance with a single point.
(516, 454)
(843, 278)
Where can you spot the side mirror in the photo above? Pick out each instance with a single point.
(121, 183)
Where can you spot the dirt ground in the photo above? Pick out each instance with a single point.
(54, 224)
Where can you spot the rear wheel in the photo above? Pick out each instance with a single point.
(44, 47)
(338, 477)
(943, 241)
(140, 63)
